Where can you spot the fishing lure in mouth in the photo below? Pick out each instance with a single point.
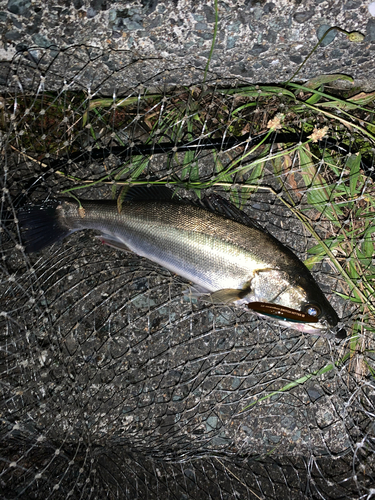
(289, 316)
(286, 313)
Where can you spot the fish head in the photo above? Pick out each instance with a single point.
(295, 300)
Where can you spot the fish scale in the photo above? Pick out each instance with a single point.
(203, 247)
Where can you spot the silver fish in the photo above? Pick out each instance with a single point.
(230, 259)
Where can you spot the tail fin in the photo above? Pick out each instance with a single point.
(40, 226)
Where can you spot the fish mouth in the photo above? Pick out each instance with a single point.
(311, 328)
(319, 329)
(325, 331)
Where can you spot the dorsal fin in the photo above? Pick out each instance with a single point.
(219, 205)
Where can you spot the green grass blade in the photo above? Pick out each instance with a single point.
(354, 164)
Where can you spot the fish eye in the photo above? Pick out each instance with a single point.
(313, 310)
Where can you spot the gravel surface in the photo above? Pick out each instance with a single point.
(256, 41)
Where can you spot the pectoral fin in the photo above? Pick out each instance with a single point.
(226, 296)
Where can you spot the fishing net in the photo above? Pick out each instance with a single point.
(114, 383)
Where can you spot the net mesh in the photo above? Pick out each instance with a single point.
(115, 385)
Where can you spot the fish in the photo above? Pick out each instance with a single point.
(228, 257)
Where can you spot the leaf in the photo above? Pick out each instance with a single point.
(187, 168)
(331, 243)
(140, 163)
(331, 163)
(300, 381)
(113, 191)
(347, 297)
(354, 164)
(363, 260)
(319, 252)
(356, 37)
(245, 195)
(370, 277)
(321, 79)
(354, 102)
(352, 270)
(319, 192)
(368, 244)
(362, 98)
(371, 229)
(105, 103)
(314, 98)
(258, 91)
(198, 192)
(194, 171)
(235, 197)
(256, 172)
(244, 106)
(311, 261)
(121, 198)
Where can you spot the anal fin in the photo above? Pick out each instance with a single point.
(112, 242)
